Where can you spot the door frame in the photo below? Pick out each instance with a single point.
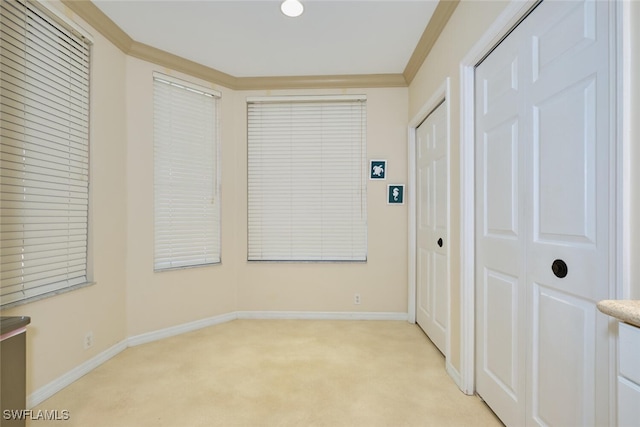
(620, 167)
(442, 93)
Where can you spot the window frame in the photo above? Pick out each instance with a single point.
(216, 96)
(43, 19)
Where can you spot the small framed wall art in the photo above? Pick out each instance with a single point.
(378, 169)
(395, 194)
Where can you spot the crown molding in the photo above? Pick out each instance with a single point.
(322, 82)
(177, 63)
(93, 16)
(438, 21)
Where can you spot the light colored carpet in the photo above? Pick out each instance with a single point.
(275, 373)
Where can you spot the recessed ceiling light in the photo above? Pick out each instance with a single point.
(292, 8)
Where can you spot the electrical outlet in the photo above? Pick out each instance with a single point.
(88, 340)
(356, 299)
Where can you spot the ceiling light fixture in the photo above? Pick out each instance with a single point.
(292, 8)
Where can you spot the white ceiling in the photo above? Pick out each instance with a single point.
(249, 38)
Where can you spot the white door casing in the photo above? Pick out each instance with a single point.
(544, 157)
(432, 192)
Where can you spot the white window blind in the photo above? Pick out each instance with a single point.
(187, 202)
(44, 149)
(307, 179)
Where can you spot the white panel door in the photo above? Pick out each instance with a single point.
(501, 233)
(568, 198)
(432, 289)
(549, 204)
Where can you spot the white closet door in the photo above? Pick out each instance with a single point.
(432, 299)
(501, 232)
(568, 199)
(543, 203)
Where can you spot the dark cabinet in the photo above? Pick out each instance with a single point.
(13, 334)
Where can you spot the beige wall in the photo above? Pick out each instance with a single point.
(382, 281)
(59, 324)
(160, 300)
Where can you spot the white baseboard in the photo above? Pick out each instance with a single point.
(320, 315)
(45, 392)
(257, 315)
(179, 329)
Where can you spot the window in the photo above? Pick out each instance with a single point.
(307, 179)
(186, 175)
(44, 148)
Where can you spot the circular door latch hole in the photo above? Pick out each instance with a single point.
(559, 268)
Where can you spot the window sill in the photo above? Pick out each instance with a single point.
(47, 295)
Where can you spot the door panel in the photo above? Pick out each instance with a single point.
(423, 298)
(500, 274)
(564, 146)
(439, 189)
(570, 183)
(563, 375)
(432, 307)
(441, 292)
(500, 330)
(543, 195)
(572, 29)
(423, 197)
(500, 147)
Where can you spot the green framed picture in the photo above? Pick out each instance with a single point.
(378, 169)
(395, 194)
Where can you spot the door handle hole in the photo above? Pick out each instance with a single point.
(559, 268)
